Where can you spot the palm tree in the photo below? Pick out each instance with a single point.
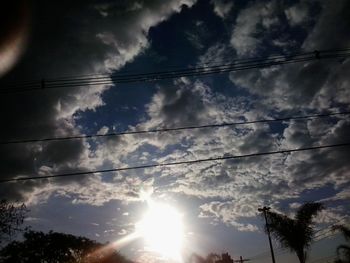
(295, 233)
(343, 248)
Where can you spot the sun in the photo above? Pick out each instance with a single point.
(162, 229)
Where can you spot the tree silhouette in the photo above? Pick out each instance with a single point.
(38, 247)
(343, 250)
(295, 233)
(11, 219)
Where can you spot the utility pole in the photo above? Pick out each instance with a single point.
(264, 210)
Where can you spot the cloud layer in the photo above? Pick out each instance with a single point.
(228, 191)
(110, 35)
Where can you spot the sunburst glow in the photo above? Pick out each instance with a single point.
(162, 229)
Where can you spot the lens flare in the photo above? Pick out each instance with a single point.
(15, 20)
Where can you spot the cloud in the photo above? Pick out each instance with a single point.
(262, 26)
(297, 14)
(127, 30)
(79, 192)
(246, 184)
(122, 232)
(229, 191)
(344, 194)
(215, 55)
(330, 30)
(222, 8)
(331, 215)
(231, 212)
(240, 185)
(83, 49)
(252, 25)
(306, 85)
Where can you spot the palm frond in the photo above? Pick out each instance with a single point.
(344, 250)
(344, 230)
(306, 212)
(282, 228)
(294, 233)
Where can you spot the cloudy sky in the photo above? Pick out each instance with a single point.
(219, 199)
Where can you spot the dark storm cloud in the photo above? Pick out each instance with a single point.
(181, 106)
(332, 27)
(295, 86)
(328, 166)
(68, 38)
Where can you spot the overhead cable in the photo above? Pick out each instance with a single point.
(238, 65)
(225, 124)
(189, 162)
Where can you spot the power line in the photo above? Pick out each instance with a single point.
(45, 85)
(329, 227)
(153, 76)
(204, 66)
(121, 74)
(146, 166)
(77, 137)
(177, 67)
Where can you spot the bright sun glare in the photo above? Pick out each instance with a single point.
(162, 229)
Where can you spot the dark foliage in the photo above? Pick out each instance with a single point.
(52, 247)
(343, 251)
(11, 219)
(295, 233)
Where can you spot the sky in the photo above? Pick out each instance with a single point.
(218, 200)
